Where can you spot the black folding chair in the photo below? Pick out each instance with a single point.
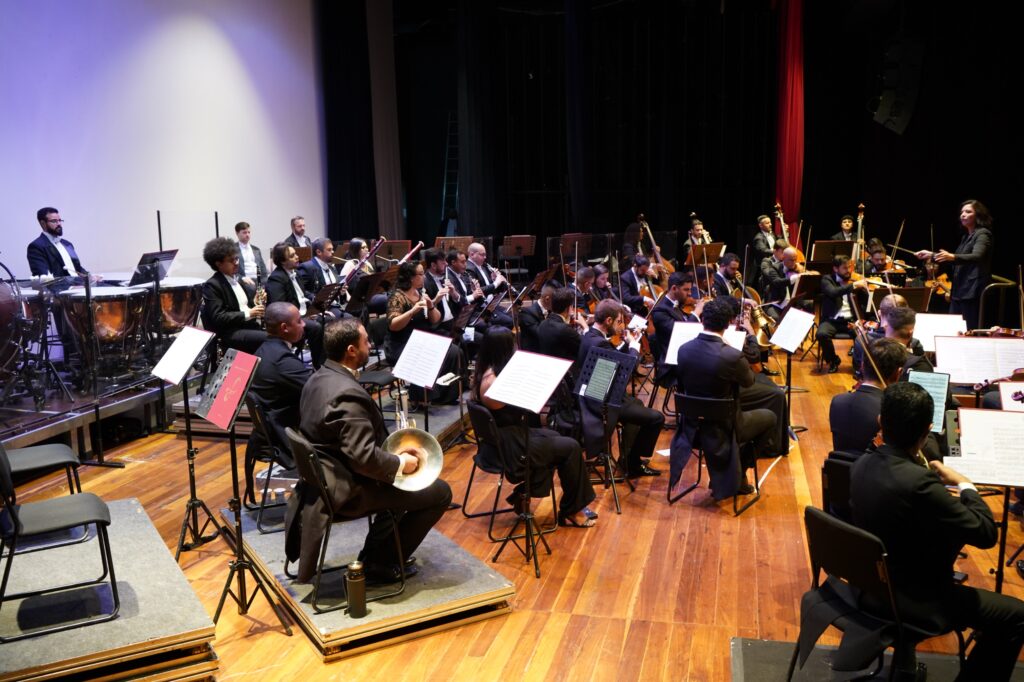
(854, 562)
(23, 521)
(312, 474)
(270, 452)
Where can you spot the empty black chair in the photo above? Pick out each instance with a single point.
(835, 485)
(22, 521)
(311, 474)
(854, 562)
(264, 447)
(704, 414)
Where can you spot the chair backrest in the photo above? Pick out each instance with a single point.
(696, 408)
(7, 496)
(835, 487)
(279, 451)
(846, 552)
(378, 330)
(484, 426)
(307, 463)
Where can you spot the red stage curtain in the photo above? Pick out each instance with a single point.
(789, 163)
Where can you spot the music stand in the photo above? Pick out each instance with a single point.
(918, 298)
(153, 263)
(173, 368)
(824, 250)
(573, 243)
(789, 334)
(705, 253)
(394, 249)
(518, 247)
(420, 363)
(448, 243)
(327, 296)
(305, 253)
(602, 382)
(220, 406)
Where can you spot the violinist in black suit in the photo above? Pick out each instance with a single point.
(284, 285)
(641, 425)
(229, 310)
(837, 307)
(774, 283)
(924, 528)
(972, 261)
(727, 277)
(531, 317)
(50, 253)
(853, 417)
(637, 289)
(666, 313)
(559, 334)
(277, 383)
(298, 237)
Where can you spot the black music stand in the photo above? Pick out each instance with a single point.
(918, 298)
(785, 339)
(823, 251)
(327, 297)
(367, 286)
(220, 406)
(154, 263)
(602, 383)
(518, 247)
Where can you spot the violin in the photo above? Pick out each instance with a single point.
(1017, 375)
(996, 333)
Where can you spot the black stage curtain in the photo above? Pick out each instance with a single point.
(345, 78)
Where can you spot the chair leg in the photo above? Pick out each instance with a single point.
(264, 506)
(494, 510)
(736, 509)
(672, 499)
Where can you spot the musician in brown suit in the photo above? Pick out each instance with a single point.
(346, 428)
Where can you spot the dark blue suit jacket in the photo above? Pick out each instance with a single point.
(43, 258)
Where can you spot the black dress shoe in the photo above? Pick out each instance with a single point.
(381, 574)
(833, 365)
(745, 489)
(769, 372)
(643, 470)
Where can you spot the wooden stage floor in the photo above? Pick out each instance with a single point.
(656, 593)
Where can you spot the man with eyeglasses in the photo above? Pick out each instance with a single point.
(51, 254)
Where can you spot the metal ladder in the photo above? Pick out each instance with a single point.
(450, 186)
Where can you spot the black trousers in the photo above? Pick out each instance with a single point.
(756, 426)
(314, 336)
(766, 394)
(416, 513)
(641, 427)
(548, 450)
(827, 330)
(970, 308)
(246, 340)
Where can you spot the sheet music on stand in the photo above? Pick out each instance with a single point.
(974, 359)
(226, 393)
(735, 338)
(528, 380)
(792, 330)
(682, 332)
(601, 379)
(421, 359)
(182, 354)
(930, 325)
(1006, 391)
(937, 385)
(326, 293)
(624, 364)
(991, 447)
(712, 252)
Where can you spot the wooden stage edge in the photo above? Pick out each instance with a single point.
(338, 644)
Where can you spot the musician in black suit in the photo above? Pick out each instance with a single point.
(298, 237)
(972, 261)
(277, 383)
(632, 281)
(435, 279)
(837, 307)
(319, 271)
(924, 528)
(641, 425)
(490, 279)
(50, 253)
(774, 283)
(727, 277)
(342, 421)
(763, 243)
(250, 260)
(709, 368)
(696, 235)
(228, 307)
(531, 317)
(284, 285)
(845, 233)
(557, 335)
(853, 417)
(666, 313)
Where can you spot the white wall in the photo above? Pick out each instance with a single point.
(112, 109)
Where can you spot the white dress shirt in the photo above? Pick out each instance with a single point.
(240, 295)
(298, 292)
(58, 243)
(249, 268)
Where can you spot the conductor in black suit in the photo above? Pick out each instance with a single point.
(709, 368)
(924, 528)
(50, 253)
(342, 421)
(837, 307)
(641, 425)
(278, 382)
(853, 417)
(229, 310)
(284, 285)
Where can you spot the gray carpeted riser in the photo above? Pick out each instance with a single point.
(157, 601)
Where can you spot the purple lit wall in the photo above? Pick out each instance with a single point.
(112, 109)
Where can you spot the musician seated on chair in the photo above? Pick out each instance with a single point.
(924, 528)
(278, 381)
(666, 313)
(531, 317)
(284, 285)
(884, 307)
(319, 271)
(559, 334)
(345, 426)
(837, 308)
(710, 368)
(229, 309)
(641, 424)
(637, 288)
(853, 416)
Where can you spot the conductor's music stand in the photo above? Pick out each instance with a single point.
(448, 243)
(601, 385)
(220, 406)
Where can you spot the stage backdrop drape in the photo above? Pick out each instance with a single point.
(386, 157)
(789, 160)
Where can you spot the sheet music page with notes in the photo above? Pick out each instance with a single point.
(793, 329)
(735, 337)
(991, 447)
(182, 354)
(682, 332)
(421, 359)
(974, 359)
(930, 325)
(528, 380)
